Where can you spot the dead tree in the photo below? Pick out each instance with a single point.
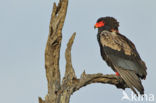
(60, 91)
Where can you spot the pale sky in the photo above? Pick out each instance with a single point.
(24, 30)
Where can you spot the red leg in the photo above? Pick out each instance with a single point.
(117, 74)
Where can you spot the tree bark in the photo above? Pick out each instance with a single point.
(60, 92)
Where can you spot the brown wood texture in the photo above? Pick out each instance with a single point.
(60, 91)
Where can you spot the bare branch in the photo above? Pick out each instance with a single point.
(87, 79)
(52, 51)
(40, 100)
(57, 92)
(70, 73)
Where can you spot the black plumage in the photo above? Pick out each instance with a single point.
(120, 53)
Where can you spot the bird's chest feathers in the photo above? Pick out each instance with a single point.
(112, 40)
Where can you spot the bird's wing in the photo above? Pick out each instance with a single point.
(131, 79)
(121, 54)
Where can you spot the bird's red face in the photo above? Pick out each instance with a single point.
(99, 24)
(107, 23)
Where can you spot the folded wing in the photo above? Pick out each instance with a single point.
(121, 54)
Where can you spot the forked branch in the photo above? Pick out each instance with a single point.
(60, 92)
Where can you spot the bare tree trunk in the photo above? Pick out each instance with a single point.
(60, 92)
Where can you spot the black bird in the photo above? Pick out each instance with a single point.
(120, 54)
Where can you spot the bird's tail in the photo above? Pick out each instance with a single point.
(132, 80)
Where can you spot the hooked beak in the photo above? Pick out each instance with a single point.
(95, 26)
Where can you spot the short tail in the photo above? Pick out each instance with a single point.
(132, 80)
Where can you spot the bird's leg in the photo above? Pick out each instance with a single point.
(117, 74)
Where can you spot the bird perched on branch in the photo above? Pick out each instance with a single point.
(120, 54)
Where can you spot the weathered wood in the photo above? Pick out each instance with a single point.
(69, 73)
(52, 51)
(60, 92)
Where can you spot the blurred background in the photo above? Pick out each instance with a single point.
(24, 26)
